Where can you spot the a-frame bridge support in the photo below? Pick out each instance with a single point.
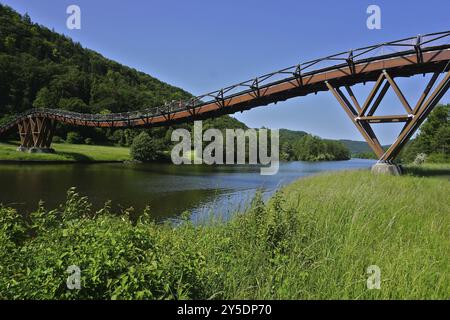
(36, 134)
(363, 115)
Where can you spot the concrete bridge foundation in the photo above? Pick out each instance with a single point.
(387, 168)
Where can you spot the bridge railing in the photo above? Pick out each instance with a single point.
(417, 45)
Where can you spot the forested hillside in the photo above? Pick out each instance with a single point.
(41, 68)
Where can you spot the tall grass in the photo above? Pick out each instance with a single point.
(313, 240)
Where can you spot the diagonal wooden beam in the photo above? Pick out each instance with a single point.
(25, 133)
(426, 92)
(372, 94)
(43, 134)
(21, 133)
(363, 128)
(51, 126)
(353, 97)
(366, 126)
(418, 119)
(398, 92)
(346, 102)
(379, 98)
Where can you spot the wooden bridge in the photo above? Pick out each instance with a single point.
(380, 64)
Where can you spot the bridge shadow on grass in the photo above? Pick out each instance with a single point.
(10, 143)
(74, 156)
(419, 171)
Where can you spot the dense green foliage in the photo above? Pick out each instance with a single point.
(312, 148)
(433, 139)
(74, 138)
(314, 239)
(144, 148)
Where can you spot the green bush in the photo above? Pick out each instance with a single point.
(144, 148)
(74, 138)
(438, 158)
(88, 141)
(118, 258)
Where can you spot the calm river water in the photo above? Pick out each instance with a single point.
(167, 189)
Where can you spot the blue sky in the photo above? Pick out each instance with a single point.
(202, 45)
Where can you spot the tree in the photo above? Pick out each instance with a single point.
(433, 138)
(286, 152)
(44, 99)
(72, 104)
(143, 148)
(74, 138)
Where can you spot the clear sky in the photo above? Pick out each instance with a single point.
(203, 45)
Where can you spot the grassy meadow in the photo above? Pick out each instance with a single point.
(314, 239)
(65, 152)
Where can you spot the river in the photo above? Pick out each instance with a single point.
(169, 190)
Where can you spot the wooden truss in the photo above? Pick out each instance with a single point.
(363, 115)
(36, 132)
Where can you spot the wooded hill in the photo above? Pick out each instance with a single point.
(41, 68)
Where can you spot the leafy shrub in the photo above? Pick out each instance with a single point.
(144, 148)
(88, 141)
(118, 258)
(438, 158)
(74, 138)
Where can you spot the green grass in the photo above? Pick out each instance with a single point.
(66, 152)
(429, 169)
(401, 224)
(314, 239)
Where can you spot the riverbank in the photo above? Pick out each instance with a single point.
(66, 153)
(314, 239)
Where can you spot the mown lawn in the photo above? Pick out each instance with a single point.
(315, 239)
(66, 152)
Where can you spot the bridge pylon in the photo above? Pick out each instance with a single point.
(363, 116)
(36, 134)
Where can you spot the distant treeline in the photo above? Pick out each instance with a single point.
(312, 148)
